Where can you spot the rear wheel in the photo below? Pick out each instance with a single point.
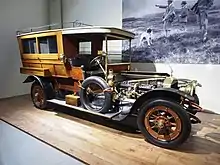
(164, 123)
(38, 96)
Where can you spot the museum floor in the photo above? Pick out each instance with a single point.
(106, 143)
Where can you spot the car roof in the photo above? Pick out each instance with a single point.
(111, 32)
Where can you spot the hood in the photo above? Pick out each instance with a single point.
(188, 81)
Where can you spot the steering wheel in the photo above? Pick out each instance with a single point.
(97, 59)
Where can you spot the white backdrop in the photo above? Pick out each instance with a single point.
(109, 13)
(14, 15)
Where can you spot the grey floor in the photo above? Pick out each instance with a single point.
(19, 148)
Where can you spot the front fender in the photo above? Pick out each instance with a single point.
(172, 91)
(169, 93)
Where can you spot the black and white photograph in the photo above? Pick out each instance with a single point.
(173, 31)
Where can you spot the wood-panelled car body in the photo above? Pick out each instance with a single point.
(62, 72)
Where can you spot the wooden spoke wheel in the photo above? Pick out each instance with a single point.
(164, 123)
(38, 96)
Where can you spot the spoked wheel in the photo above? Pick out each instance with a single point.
(38, 96)
(164, 123)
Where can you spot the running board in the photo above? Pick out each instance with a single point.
(63, 103)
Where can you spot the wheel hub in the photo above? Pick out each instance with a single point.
(37, 95)
(160, 123)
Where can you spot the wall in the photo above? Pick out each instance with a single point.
(15, 150)
(109, 13)
(94, 12)
(55, 16)
(14, 15)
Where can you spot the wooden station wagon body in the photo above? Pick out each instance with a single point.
(43, 53)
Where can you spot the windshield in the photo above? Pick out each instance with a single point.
(116, 51)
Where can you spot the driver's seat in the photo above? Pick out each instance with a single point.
(83, 60)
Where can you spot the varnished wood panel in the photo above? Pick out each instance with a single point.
(40, 56)
(50, 67)
(61, 70)
(50, 61)
(66, 87)
(74, 87)
(41, 66)
(55, 70)
(60, 43)
(42, 61)
(33, 65)
(77, 73)
(35, 71)
(20, 47)
(106, 143)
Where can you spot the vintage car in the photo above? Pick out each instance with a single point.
(161, 106)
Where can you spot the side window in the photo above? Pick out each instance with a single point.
(47, 44)
(29, 46)
(85, 48)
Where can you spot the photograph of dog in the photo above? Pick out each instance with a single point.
(146, 38)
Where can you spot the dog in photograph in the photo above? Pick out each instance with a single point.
(146, 37)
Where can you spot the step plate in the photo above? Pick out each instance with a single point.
(63, 103)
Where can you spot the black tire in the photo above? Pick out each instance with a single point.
(36, 90)
(190, 109)
(185, 123)
(196, 99)
(103, 85)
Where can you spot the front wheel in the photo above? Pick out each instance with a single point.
(164, 123)
(191, 109)
(196, 97)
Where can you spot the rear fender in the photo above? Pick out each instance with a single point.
(46, 84)
(170, 93)
(30, 79)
